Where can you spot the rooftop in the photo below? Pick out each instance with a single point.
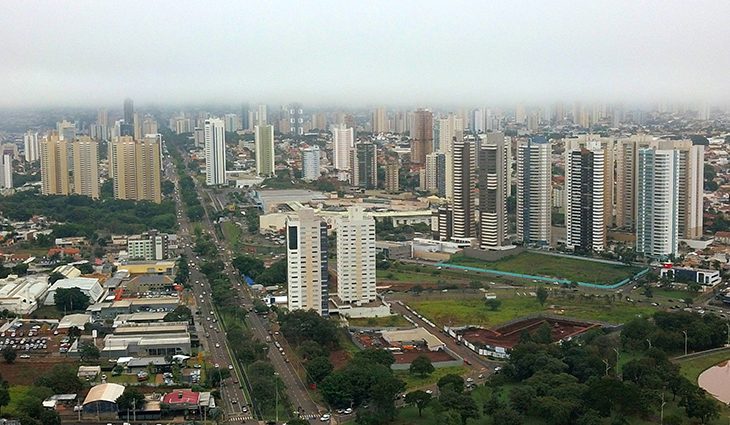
(181, 397)
(104, 392)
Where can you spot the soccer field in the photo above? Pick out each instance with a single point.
(563, 268)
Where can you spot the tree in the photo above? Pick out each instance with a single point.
(336, 389)
(521, 397)
(85, 268)
(89, 351)
(309, 350)
(455, 382)
(376, 355)
(4, 397)
(181, 313)
(543, 334)
(318, 368)
(542, 295)
(61, 379)
(467, 408)
(698, 405)
(55, 276)
(131, 398)
(505, 416)
(70, 299)
(419, 399)
(422, 366)
(9, 354)
(493, 304)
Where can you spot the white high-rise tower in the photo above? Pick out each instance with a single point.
(306, 253)
(215, 151)
(356, 257)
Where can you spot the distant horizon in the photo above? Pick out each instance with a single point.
(330, 52)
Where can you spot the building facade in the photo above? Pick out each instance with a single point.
(54, 165)
(421, 136)
(494, 189)
(585, 189)
(533, 191)
(215, 152)
(364, 165)
(86, 167)
(264, 139)
(657, 218)
(464, 199)
(343, 140)
(356, 257)
(307, 252)
(311, 163)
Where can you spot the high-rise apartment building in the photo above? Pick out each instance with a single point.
(215, 151)
(343, 140)
(356, 257)
(657, 208)
(533, 191)
(585, 190)
(494, 189)
(31, 146)
(264, 139)
(295, 118)
(392, 177)
(464, 198)
(444, 132)
(231, 122)
(6, 171)
(261, 115)
(421, 136)
(364, 165)
(86, 167)
(66, 130)
(128, 111)
(54, 165)
(380, 121)
(307, 273)
(311, 163)
(690, 189)
(245, 119)
(438, 173)
(149, 126)
(136, 166)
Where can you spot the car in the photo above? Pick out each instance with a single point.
(217, 365)
(469, 379)
(324, 418)
(244, 409)
(24, 356)
(217, 345)
(498, 368)
(348, 411)
(234, 401)
(429, 392)
(230, 367)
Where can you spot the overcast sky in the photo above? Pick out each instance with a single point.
(362, 53)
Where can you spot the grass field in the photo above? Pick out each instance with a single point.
(468, 309)
(414, 382)
(383, 322)
(232, 232)
(572, 269)
(692, 368)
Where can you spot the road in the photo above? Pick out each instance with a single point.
(296, 389)
(234, 400)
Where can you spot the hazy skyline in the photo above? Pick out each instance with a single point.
(90, 53)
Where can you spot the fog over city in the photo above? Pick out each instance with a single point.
(91, 53)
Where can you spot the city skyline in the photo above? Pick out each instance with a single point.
(372, 55)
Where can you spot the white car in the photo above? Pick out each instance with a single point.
(217, 365)
(429, 392)
(348, 411)
(217, 345)
(325, 417)
(230, 367)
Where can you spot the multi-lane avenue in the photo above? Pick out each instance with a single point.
(236, 403)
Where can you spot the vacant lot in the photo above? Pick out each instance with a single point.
(572, 269)
(445, 309)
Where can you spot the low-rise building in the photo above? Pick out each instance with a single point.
(148, 267)
(87, 285)
(690, 275)
(101, 401)
(22, 295)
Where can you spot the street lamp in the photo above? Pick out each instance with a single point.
(276, 391)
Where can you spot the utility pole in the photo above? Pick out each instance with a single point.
(276, 386)
(685, 342)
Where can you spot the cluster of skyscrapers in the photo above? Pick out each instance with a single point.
(650, 186)
(69, 162)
